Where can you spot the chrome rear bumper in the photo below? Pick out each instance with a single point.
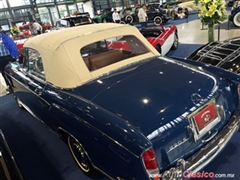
(206, 154)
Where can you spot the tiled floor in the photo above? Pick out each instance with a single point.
(192, 33)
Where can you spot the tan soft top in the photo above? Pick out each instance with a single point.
(60, 52)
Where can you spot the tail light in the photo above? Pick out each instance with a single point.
(150, 162)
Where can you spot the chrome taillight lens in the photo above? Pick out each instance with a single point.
(150, 163)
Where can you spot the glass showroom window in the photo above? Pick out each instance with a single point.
(4, 16)
(60, 1)
(3, 4)
(14, 3)
(44, 15)
(101, 5)
(80, 7)
(72, 9)
(4, 24)
(63, 11)
(54, 14)
(21, 15)
(44, 1)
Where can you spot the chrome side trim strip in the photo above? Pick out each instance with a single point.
(104, 134)
(35, 116)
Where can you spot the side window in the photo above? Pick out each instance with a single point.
(109, 51)
(33, 63)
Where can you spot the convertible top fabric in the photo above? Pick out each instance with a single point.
(60, 52)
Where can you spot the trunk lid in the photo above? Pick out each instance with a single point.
(157, 98)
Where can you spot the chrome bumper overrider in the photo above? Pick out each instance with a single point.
(200, 159)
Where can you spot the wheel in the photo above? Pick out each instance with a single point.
(80, 156)
(128, 19)
(236, 19)
(175, 42)
(19, 104)
(157, 20)
(122, 22)
(158, 48)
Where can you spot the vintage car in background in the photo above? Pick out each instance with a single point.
(20, 43)
(105, 15)
(128, 15)
(190, 6)
(25, 31)
(230, 3)
(153, 6)
(157, 15)
(107, 92)
(235, 14)
(74, 20)
(162, 38)
(223, 54)
(176, 11)
(46, 26)
(8, 167)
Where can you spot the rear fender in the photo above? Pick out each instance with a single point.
(215, 70)
(232, 78)
(102, 135)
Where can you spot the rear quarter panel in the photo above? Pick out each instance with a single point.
(110, 142)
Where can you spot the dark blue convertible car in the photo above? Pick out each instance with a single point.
(123, 109)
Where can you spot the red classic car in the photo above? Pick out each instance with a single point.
(25, 30)
(162, 38)
(20, 43)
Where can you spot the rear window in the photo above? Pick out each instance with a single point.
(109, 51)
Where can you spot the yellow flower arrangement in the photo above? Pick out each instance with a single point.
(211, 11)
(15, 30)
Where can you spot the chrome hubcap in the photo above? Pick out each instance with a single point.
(238, 18)
(82, 158)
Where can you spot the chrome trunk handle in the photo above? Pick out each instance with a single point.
(212, 136)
